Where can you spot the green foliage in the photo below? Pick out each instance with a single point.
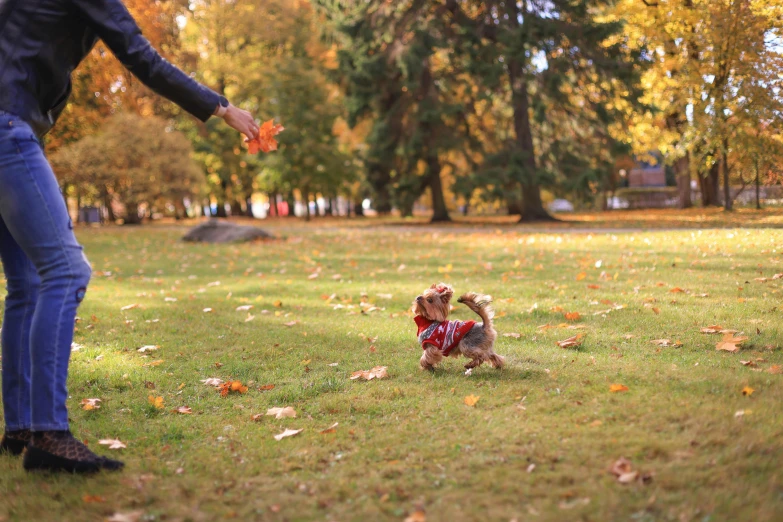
(131, 161)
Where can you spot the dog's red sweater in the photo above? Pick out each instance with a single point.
(443, 336)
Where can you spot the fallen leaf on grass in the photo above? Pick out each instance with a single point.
(212, 381)
(747, 391)
(471, 400)
(623, 471)
(267, 387)
(93, 499)
(282, 413)
(677, 290)
(748, 363)
(571, 342)
(776, 369)
(207, 310)
(593, 287)
(232, 386)
(112, 443)
(148, 348)
(287, 433)
(244, 308)
(90, 404)
(580, 276)
(729, 343)
(716, 329)
(512, 334)
(290, 324)
(614, 388)
(416, 516)
(155, 401)
(257, 417)
(666, 343)
(129, 307)
(131, 516)
(185, 410)
(573, 316)
(378, 372)
(153, 363)
(330, 429)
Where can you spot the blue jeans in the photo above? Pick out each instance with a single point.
(46, 274)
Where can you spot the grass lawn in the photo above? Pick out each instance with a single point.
(537, 445)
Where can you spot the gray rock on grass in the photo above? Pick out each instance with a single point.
(216, 231)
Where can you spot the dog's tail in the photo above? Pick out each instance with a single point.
(481, 305)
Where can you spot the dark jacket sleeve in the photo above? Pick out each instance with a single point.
(116, 27)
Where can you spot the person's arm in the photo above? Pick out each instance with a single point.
(116, 27)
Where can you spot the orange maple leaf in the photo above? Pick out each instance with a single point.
(614, 388)
(265, 141)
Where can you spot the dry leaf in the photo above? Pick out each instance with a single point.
(287, 433)
(471, 400)
(185, 410)
(580, 276)
(231, 386)
(512, 334)
(571, 342)
(93, 499)
(129, 307)
(748, 363)
(776, 369)
(257, 417)
(667, 343)
(90, 404)
(573, 316)
(212, 381)
(618, 388)
(244, 308)
(112, 443)
(131, 516)
(267, 387)
(155, 401)
(282, 413)
(292, 323)
(747, 391)
(656, 310)
(278, 304)
(378, 372)
(729, 343)
(416, 516)
(330, 429)
(148, 348)
(593, 287)
(265, 141)
(677, 290)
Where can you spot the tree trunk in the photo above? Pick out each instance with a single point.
(236, 208)
(132, 214)
(513, 200)
(306, 200)
(758, 188)
(379, 178)
(682, 170)
(358, 209)
(272, 204)
(78, 204)
(709, 184)
(328, 211)
(291, 202)
(109, 208)
(221, 209)
(728, 204)
(532, 206)
(249, 207)
(439, 211)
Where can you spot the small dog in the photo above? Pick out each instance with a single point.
(441, 338)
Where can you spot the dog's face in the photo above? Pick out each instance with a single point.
(433, 304)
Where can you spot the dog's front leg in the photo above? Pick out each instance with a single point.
(431, 356)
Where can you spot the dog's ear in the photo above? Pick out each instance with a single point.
(445, 292)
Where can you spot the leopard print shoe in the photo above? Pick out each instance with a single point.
(60, 451)
(14, 442)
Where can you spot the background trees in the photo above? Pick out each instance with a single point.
(499, 103)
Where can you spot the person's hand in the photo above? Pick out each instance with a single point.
(242, 121)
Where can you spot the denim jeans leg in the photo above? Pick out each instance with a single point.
(23, 282)
(34, 212)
